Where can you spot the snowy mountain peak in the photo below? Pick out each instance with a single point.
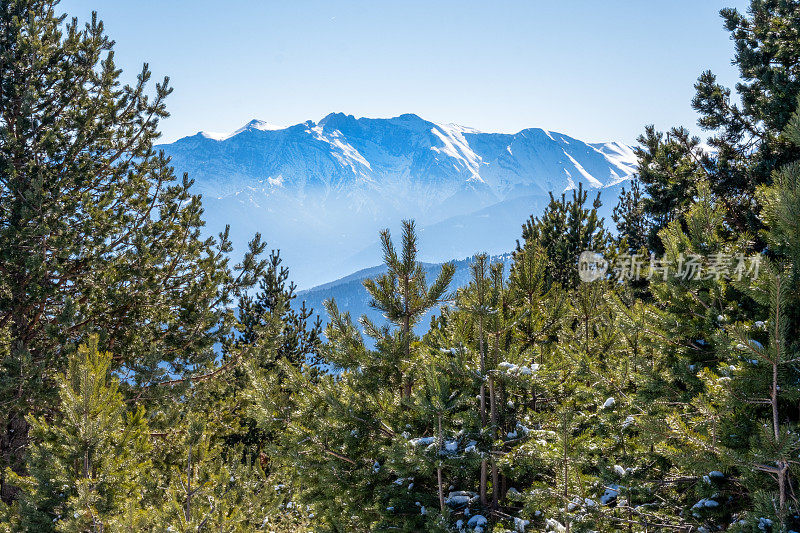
(336, 120)
(404, 164)
(335, 183)
(254, 124)
(463, 129)
(257, 124)
(406, 159)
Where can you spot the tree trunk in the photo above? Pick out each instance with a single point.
(493, 419)
(189, 485)
(566, 479)
(441, 489)
(483, 482)
(13, 442)
(782, 466)
(774, 401)
(407, 338)
(483, 371)
(495, 485)
(406, 378)
(492, 405)
(492, 399)
(439, 469)
(483, 404)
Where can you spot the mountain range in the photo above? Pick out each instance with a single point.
(321, 191)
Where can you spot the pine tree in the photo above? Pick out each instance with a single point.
(745, 137)
(477, 301)
(501, 334)
(739, 429)
(89, 464)
(563, 231)
(670, 167)
(762, 357)
(731, 374)
(270, 333)
(561, 438)
(298, 340)
(204, 484)
(96, 234)
(690, 304)
(538, 307)
(437, 399)
(675, 338)
(403, 295)
(630, 218)
(347, 437)
(214, 457)
(781, 204)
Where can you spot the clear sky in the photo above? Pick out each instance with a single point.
(596, 70)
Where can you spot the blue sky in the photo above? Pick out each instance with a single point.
(595, 70)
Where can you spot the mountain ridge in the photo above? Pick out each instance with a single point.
(351, 296)
(321, 191)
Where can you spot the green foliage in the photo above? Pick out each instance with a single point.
(670, 166)
(295, 340)
(96, 233)
(403, 295)
(207, 485)
(631, 219)
(746, 145)
(533, 401)
(562, 232)
(88, 464)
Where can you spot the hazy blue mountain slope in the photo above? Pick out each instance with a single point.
(351, 296)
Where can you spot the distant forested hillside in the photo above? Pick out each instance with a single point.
(351, 296)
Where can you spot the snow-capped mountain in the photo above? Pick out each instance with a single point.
(321, 191)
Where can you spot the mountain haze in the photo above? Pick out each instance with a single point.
(321, 191)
